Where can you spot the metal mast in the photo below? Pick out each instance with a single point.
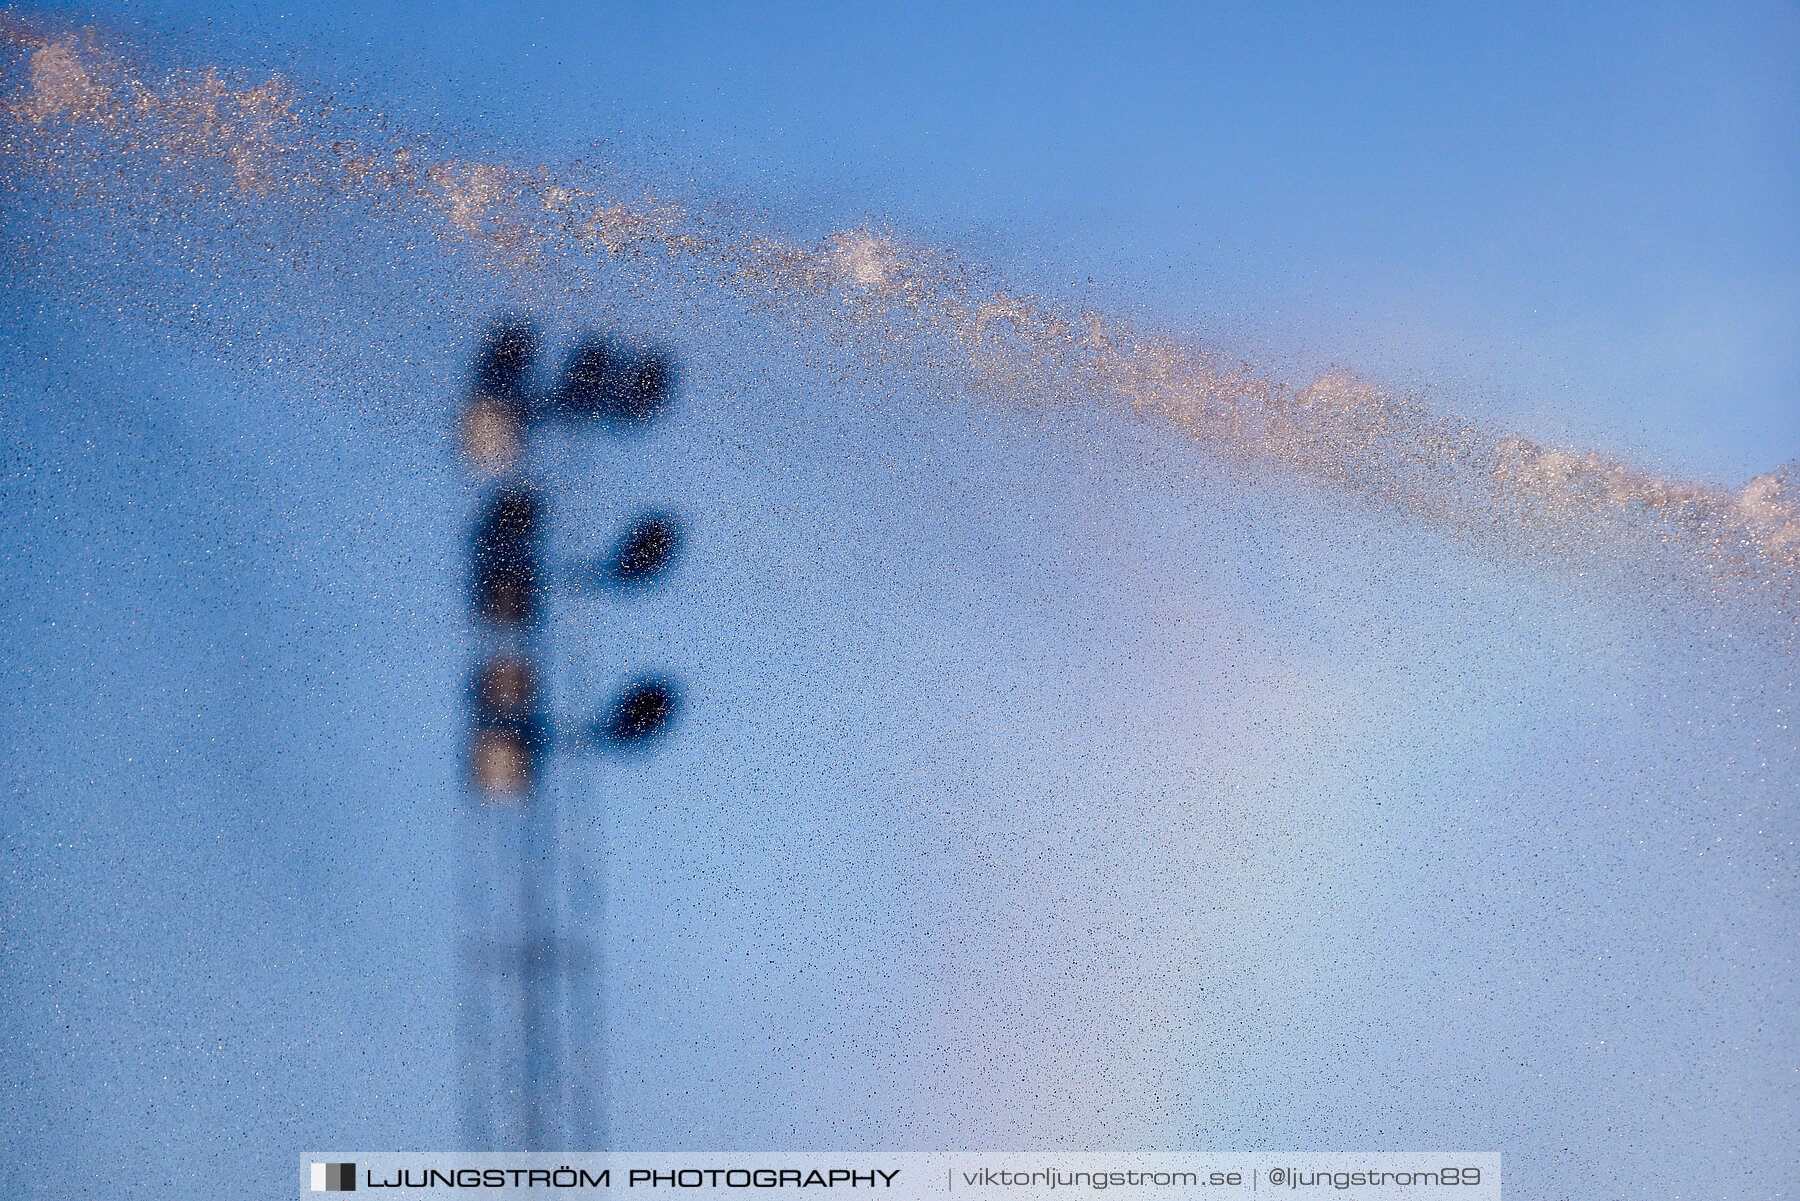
(522, 967)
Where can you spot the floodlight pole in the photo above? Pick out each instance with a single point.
(517, 964)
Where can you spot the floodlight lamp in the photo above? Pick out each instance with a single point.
(606, 381)
(506, 558)
(506, 688)
(643, 712)
(647, 549)
(491, 435)
(501, 765)
(503, 365)
(645, 388)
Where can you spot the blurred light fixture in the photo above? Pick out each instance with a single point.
(491, 436)
(643, 711)
(646, 550)
(607, 381)
(506, 558)
(503, 365)
(492, 426)
(501, 764)
(505, 688)
(615, 387)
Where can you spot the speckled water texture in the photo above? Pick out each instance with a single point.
(1091, 739)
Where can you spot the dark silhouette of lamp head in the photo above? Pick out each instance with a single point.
(643, 712)
(504, 363)
(647, 549)
(507, 576)
(614, 384)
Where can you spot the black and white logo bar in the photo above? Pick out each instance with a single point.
(334, 1178)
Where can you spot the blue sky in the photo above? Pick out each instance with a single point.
(1581, 216)
(1047, 779)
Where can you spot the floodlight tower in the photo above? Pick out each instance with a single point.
(521, 965)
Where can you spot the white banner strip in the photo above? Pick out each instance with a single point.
(912, 1176)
